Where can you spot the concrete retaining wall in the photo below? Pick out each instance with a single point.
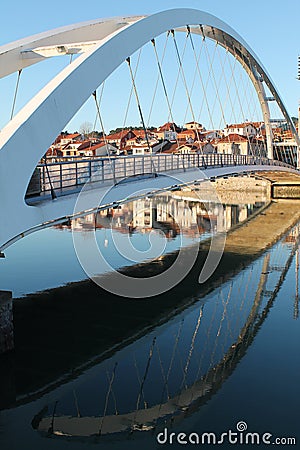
(6, 322)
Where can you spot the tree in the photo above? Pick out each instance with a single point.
(85, 128)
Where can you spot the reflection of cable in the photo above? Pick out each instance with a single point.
(53, 415)
(107, 396)
(76, 403)
(296, 305)
(144, 379)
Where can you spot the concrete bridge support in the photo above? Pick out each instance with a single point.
(6, 322)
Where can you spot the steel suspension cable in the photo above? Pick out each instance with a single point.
(104, 135)
(204, 85)
(233, 117)
(130, 94)
(100, 99)
(197, 59)
(236, 90)
(250, 100)
(237, 97)
(212, 76)
(53, 194)
(158, 77)
(246, 91)
(228, 87)
(164, 89)
(15, 95)
(196, 71)
(178, 73)
(140, 112)
(181, 69)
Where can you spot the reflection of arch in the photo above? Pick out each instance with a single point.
(190, 397)
(26, 138)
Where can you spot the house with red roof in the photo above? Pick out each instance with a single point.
(100, 149)
(233, 144)
(188, 135)
(193, 126)
(167, 131)
(244, 129)
(120, 139)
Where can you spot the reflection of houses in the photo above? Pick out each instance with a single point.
(235, 214)
(183, 212)
(142, 216)
(85, 223)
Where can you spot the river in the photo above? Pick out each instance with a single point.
(94, 369)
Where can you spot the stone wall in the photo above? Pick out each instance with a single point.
(6, 322)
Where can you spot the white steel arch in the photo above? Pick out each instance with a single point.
(29, 134)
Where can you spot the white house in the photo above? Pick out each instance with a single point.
(233, 144)
(244, 129)
(193, 126)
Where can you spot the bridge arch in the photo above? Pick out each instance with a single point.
(27, 136)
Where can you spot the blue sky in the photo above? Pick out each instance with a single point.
(270, 28)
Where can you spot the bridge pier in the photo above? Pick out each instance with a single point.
(6, 322)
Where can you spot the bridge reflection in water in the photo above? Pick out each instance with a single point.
(156, 360)
(181, 364)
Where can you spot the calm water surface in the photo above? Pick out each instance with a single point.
(95, 370)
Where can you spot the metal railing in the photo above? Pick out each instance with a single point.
(69, 175)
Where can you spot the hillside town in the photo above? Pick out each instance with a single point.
(248, 138)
